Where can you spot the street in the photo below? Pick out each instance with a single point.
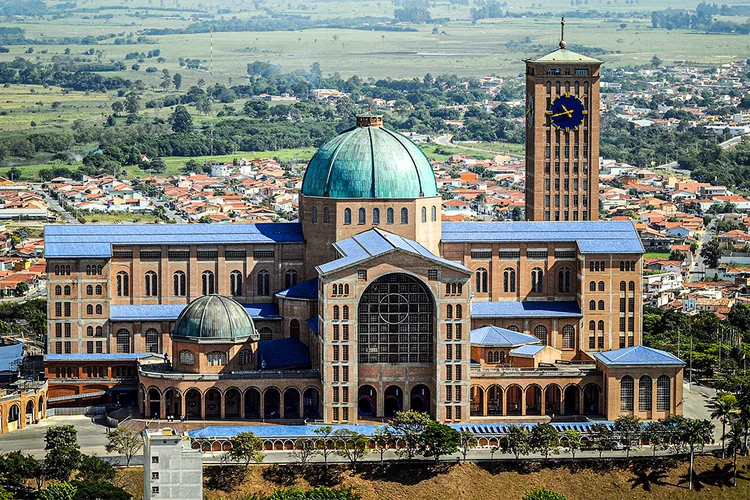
(54, 205)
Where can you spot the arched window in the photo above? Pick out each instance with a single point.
(294, 329)
(362, 216)
(645, 392)
(592, 286)
(592, 305)
(592, 325)
(389, 216)
(152, 340)
(99, 269)
(540, 332)
(434, 213)
(179, 282)
(67, 290)
(187, 358)
(346, 312)
(626, 393)
(88, 269)
(481, 280)
(601, 286)
(631, 286)
(235, 283)
(459, 311)
(89, 289)
(537, 277)
(502, 357)
(663, 386)
(314, 215)
(89, 309)
(404, 215)
(326, 215)
(622, 286)
(601, 305)
(99, 331)
(216, 358)
(563, 280)
(152, 289)
(336, 312)
(568, 337)
(123, 341)
(513, 328)
(346, 289)
(58, 290)
(376, 215)
(122, 284)
(449, 311)
(209, 283)
(246, 357)
(90, 331)
(601, 325)
(266, 334)
(490, 356)
(347, 216)
(290, 278)
(509, 280)
(424, 214)
(591, 266)
(264, 283)
(98, 309)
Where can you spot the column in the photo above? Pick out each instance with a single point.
(544, 402)
(485, 403)
(504, 407)
(223, 406)
(163, 407)
(580, 400)
(562, 401)
(242, 404)
(523, 402)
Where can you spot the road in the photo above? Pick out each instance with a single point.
(91, 437)
(698, 270)
(54, 205)
(171, 214)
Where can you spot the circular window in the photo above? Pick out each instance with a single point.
(394, 308)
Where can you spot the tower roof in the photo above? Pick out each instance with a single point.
(563, 55)
(369, 161)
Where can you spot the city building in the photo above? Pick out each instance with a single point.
(172, 470)
(368, 305)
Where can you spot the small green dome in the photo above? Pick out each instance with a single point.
(214, 317)
(369, 161)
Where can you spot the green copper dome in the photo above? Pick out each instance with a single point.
(214, 317)
(369, 161)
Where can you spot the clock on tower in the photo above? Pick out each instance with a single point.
(562, 136)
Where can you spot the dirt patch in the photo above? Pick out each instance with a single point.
(601, 480)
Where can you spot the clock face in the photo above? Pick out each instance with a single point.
(567, 112)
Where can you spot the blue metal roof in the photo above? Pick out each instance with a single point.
(376, 242)
(300, 431)
(590, 236)
(9, 354)
(96, 240)
(500, 337)
(638, 355)
(102, 357)
(307, 290)
(528, 350)
(153, 312)
(313, 324)
(564, 309)
(282, 353)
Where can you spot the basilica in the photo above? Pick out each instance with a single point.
(370, 304)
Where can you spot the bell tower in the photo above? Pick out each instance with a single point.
(562, 136)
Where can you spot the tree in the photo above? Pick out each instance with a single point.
(516, 441)
(351, 445)
(304, 450)
(246, 448)
(656, 62)
(181, 121)
(695, 432)
(722, 407)
(63, 453)
(16, 468)
(177, 81)
(572, 441)
(544, 439)
(5, 494)
(602, 436)
(438, 440)
(324, 442)
(408, 426)
(192, 166)
(654, 433)
(468, 441)
(158, 165)
(58, 491)
(14, 174)
(95, 469)
(628, 428)
(118, 107)
(205, 219)
(711, 253)
(132, 103)
(166, 80)
(381, 438)
(22, 288)
(124, 441)
(543, 494)
(736, 437)
(98, 490)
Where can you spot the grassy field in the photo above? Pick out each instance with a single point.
(656, 255)
(125, 217)
(491, 481)
(497, 147)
